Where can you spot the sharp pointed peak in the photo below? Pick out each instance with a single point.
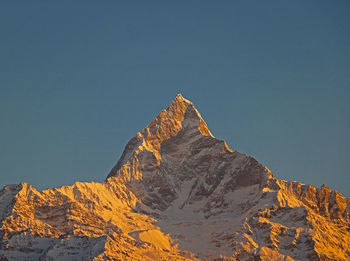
(182, 109)
(180, 98)
(180, 116)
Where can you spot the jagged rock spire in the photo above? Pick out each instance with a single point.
(181, 115)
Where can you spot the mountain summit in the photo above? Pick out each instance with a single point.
(176, 193)
(180, 117)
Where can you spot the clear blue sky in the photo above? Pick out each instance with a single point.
(78, 79)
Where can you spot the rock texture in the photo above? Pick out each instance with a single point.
(177, 193)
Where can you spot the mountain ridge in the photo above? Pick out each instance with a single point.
(177, 193)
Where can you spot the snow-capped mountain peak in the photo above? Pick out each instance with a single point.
(180, 118)
(177, 193)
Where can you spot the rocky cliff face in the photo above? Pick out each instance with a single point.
(177, 193)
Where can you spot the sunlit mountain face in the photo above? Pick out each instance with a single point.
(176, 193)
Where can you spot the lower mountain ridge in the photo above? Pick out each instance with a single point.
(176, 193)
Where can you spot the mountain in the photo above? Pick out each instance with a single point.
(176, 193)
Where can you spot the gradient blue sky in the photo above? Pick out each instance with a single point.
(78, 79)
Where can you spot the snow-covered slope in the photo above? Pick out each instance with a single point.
(177, 193)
